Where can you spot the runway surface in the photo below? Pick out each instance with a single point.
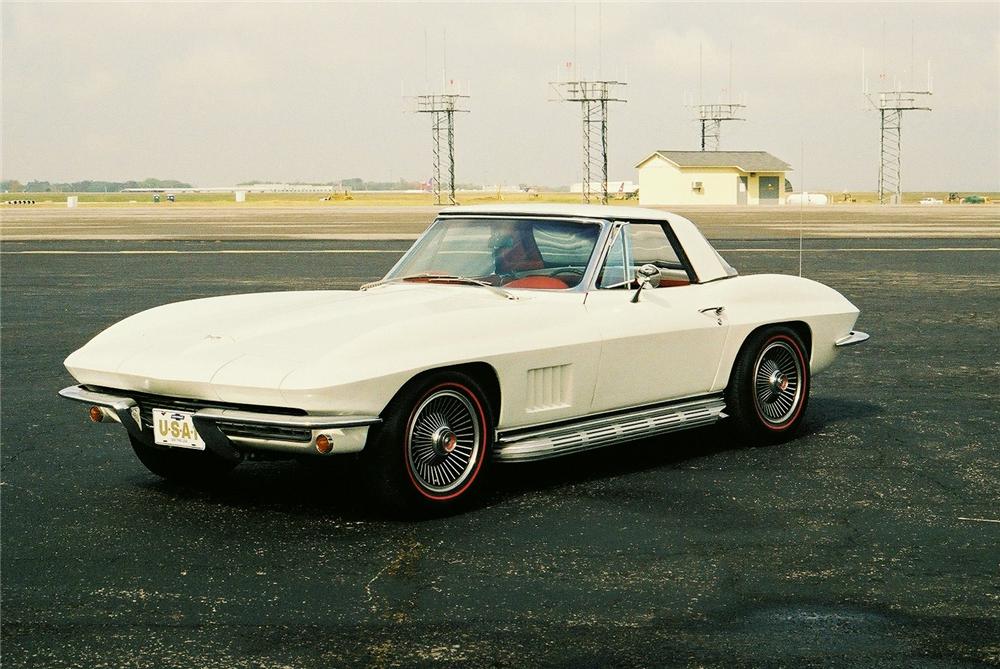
(370, 222)
(870, 540)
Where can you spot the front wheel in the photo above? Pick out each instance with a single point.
(430, 454)
(769, 386)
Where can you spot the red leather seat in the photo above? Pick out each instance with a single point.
(540, 282)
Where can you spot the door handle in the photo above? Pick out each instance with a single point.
(715, 312)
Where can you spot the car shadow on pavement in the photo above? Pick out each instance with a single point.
(671, 450)
(321, 487)
(827, 411)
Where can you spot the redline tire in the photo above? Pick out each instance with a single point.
(431, 453)
(769, 386)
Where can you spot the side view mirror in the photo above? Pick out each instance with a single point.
(647, 275)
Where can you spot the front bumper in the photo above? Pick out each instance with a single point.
(230, 432)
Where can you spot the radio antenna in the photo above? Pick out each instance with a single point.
(802, 187)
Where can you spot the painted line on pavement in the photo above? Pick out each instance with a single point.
(865, 250)
(944, 249)
(65, 252)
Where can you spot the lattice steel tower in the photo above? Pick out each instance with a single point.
(711, 118)
(891, 105)
(443, 106)
(593, 97)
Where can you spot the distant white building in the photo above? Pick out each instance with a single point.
(711, 177)
(625, 187)
(255, 188)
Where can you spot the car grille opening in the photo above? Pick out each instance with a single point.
(147, 402)
(273, 432)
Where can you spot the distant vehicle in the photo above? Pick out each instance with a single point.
(931, 200)
(812, 199)
(171, 198)
(974, 199)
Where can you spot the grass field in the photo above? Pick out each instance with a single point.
(362, 199)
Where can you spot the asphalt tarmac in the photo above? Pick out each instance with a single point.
(346, 222)
(873, 539)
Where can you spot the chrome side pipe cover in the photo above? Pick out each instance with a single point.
(852, 339)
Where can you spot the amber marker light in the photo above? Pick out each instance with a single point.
(96, 414)
(323, 444)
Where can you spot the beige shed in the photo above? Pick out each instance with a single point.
(712, 177)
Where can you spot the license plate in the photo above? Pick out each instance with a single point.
(176, 428)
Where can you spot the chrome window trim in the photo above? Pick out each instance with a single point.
(616, 228)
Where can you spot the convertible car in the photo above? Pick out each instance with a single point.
(505, 334)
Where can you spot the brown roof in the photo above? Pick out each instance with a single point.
(747, 161)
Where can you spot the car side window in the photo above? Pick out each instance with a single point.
(613, 272)
(649, 245)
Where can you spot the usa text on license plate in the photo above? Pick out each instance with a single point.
(176, 428)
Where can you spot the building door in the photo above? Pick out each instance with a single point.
(741, 190)
(769, 193)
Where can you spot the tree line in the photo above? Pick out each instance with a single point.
(87, 186)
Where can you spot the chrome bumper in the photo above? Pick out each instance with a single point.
(855, 337)
(347, 433)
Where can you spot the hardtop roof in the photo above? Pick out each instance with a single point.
(707, 264)
(568, 210)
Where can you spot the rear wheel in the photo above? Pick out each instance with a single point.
(430, 454)
(180, 464)
(769, 386)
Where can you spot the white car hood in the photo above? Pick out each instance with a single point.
(229, 348)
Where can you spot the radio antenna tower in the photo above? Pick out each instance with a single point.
(891, 104)
(593, 97)
(711, 116)
(443, 107)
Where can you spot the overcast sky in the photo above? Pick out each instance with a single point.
(216, 93)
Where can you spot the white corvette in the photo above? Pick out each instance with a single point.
(506, 333)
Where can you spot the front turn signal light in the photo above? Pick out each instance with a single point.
(324, 444)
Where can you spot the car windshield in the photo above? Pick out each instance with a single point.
(514, 253)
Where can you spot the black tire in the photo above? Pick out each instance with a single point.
(432, 451)
(769, 386)
(182, 465)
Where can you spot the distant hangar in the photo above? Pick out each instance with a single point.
(712, 177)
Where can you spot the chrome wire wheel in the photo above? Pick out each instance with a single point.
(443, 441)
(778, 382)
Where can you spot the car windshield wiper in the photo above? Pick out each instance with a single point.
(441, 278)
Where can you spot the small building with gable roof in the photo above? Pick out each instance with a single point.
(711, 177)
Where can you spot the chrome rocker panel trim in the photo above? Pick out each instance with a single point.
(541, 444)
(349, 432)
(855, 337)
